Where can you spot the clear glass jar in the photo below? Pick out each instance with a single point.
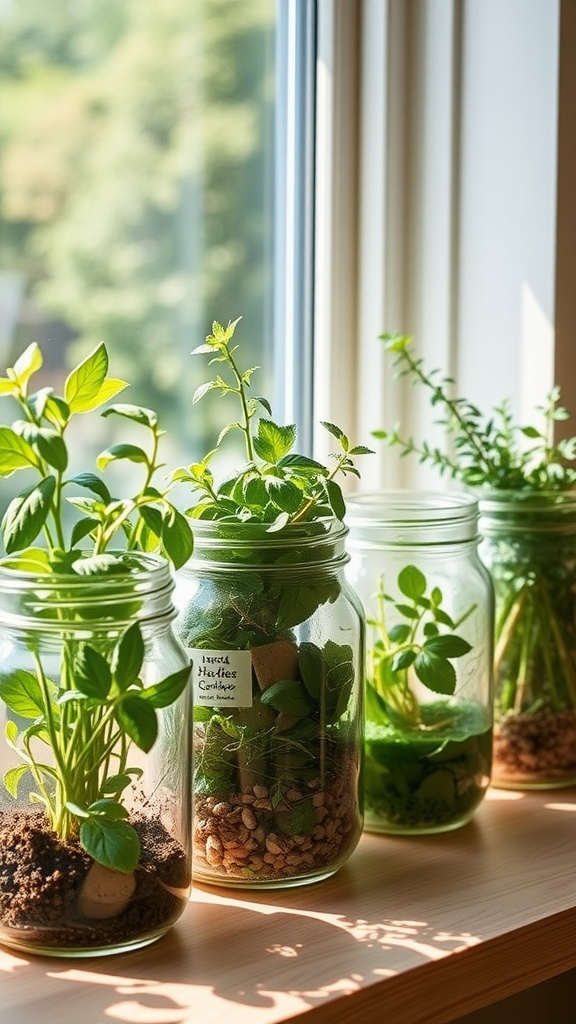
(529, 546)
(429, 607)
(276, 638)
(96, 801)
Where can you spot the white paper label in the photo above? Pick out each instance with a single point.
(221, 678)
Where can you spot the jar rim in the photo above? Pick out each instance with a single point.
(405, 504)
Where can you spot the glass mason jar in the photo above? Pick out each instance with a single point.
(276, 637)
(96, 767)
(429, 607)
(529, 546)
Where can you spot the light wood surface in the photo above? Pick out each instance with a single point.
(410, 931)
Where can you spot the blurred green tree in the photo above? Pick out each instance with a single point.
(136, 166)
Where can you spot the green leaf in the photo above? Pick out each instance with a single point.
(210, 385)
(26, 515)
(107, 807)
(27, 364)
(87, 386)
(98, 565)
(408, 611)
(136, 413)
(115, 844)
(312, 669)
(129, 657)
(92, 677)
(412, 582)
(83, 384)
(30, 560)
(20, 690)
(399, 633)
(272, 442)
(15, 453)
(138, 720)
(285, 495)
(402, 660)
(83, 528)
(12, 778)
(48, 443)
(165, 693)
(177, 537)
(448, 645)
(336, 499)
(131, 452)
(289, 695)
(333, 429)
(92, 483)
(436, 673)
(115, 783)
(152, 517)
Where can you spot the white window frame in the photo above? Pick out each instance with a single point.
(394, 238)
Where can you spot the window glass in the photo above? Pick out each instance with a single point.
(137, 179)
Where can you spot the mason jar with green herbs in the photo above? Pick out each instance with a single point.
(428, 601)
(96, 763)
(276, 637)
(529, 546)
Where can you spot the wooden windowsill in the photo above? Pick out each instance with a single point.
(410, 929)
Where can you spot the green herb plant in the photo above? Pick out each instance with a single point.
(489, 451)
(91, 715)
(427, 756)
(522, 476)
(416, 643)
(298, 729)
(276, 485)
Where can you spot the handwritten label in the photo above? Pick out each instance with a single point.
(221, 678)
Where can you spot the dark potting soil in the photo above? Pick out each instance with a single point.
(41, 878)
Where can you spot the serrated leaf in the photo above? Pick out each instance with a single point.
(412, 582)
(93, 677)
(98, 565)
(285, 495)
(15, 453)
(20, 690)
(336, 432)
(361, 449)
(115, 844)
(138, 720)
(273, 442)
(26, 515)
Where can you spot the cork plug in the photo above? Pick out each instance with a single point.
(273, 662)
(105, 893)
